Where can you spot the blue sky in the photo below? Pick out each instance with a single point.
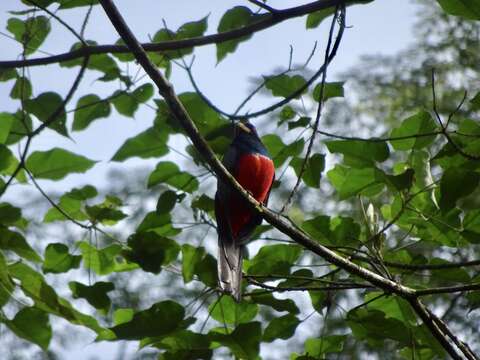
(382, 27)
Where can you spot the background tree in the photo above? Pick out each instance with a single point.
(388, 267)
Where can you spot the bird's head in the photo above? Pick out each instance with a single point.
(244, 127)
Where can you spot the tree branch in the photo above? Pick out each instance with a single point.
(265, 22)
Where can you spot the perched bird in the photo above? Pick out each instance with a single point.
(248, 161)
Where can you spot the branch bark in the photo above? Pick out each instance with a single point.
(265, 22)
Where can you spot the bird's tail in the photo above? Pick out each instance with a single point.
(230, 268)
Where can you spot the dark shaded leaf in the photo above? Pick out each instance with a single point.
(455, 184)
(244, 341)
(59, 260)
(32, 324)
(96, 294)
(151, 251)
(281, 328)
(160, 319)
(14, 241)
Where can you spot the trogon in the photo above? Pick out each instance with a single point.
(248, 161)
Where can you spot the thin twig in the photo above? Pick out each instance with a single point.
(320, 104)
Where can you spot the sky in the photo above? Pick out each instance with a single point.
(382, 27)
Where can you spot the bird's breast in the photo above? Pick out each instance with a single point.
(255, 173)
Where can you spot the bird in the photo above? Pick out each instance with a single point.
(248, 161)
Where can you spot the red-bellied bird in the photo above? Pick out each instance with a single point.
(248, 161)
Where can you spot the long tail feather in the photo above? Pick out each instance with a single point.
(230, 268)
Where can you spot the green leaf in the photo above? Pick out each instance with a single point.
(124, 103)
(359, 153)
(475, 101)
(58, 259)
(312, 171)
(284, 85)
(22, 89)
(104, 261)
(44, 106)
(244, 341)
(279, 151)
(330, 90)
(149, 143)
(166, 202)
(160, 319)
(159, 223)
(186, 31)
(403, 181)
(274, 260)
(227, 311)
(302, 122)
(7, 74)
(96, 294)
(151, 251)
(169, 173)
(317, 348)
(392, 306)
(314, 19)
(9, 214)
(456, 183)
(203, 202)
(57, 163)
(469, 9)
(34, 286)
(6, 122)
(344, 231)
(101, 62)
(143, 93)
(31, 32)
(89, 108)
(6, 284)
(350, 181)
(209, 122)
(267, 299)
(13, 241)
(418, 125)
(72, 204)
(21, 126)
(70, 4)
(9, 164)
(281, 328)
(235, 18)
(191, 257)
(287, 113)
(33, 325)
(319, 229)
(183, 345)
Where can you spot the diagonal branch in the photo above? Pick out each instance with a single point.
(265, 22)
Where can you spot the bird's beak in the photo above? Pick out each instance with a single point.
(244, 128)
